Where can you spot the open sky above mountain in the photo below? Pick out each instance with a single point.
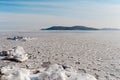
(35, 14)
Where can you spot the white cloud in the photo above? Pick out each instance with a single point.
(85, 13)
(35, 21)
(32, 21)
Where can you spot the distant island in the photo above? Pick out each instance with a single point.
(70, 28)
(77, 28)
(110, 29)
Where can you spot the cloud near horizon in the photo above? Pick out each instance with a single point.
(36, 14)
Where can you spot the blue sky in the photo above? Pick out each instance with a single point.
(35, 14)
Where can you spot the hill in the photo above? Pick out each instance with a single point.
(70, 28)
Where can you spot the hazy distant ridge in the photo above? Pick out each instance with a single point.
(76, 28)
(110, 29)
(70, 28)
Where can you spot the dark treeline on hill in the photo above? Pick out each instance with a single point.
(70, 28)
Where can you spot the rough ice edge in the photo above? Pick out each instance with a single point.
(20, 38)
(49, 72)
(16, 53)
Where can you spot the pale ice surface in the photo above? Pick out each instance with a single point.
(93, 52)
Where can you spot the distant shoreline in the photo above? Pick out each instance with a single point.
(76, 28)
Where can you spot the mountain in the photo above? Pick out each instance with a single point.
(110, 29)
(70, 28)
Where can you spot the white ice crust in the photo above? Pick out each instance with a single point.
(49, 72)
